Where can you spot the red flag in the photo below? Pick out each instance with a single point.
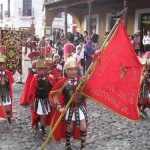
(115, 80)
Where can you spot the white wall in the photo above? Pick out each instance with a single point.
(20, 21)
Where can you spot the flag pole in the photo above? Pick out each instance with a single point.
(8, 125)
(81, 83)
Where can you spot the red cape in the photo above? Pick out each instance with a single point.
(56, 74)
(59, 133)
(24, 95)
(32, 91)
(11, 81)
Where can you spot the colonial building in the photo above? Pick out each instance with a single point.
(26, 14)
(21, 14)
(101, 14)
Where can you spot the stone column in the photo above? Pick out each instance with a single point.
(90, 18)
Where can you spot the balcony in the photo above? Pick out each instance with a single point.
(51, 1)
(26, 12)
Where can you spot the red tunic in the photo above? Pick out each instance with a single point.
(32, 92)
(11, 81)
(24, 95)
(59, 133)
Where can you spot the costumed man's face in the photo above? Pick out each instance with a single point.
(71, 72)
(2, 66)
(41, 71)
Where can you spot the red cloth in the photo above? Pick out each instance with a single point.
(11, 81)
(24, 99)
(32, 92)
(56, 74)
(115, 79)
(59, 133)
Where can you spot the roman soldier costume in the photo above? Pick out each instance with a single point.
(40, 87)
(144, 96)
(76, 111)
(6, 81)
(31, 72)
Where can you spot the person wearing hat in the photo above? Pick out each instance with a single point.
(144, 94)
(24, 95)
(89, 52)
(40, 88)
(6, 81)
(51, 70)
(58, 64)
(68, 49)
(74, 122)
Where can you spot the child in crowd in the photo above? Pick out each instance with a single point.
(6, 81)
(40, 88)
(74, 122)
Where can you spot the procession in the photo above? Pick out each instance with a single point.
(79, 89)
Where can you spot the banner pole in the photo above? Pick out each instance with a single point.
(79, 85)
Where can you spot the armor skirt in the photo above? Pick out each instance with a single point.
(6, 101)
(76, 114)
(42, 106)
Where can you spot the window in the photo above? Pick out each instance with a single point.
(27, 7)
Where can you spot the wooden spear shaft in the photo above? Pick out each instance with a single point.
(79, 85)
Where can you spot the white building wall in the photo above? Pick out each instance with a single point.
(17, 21)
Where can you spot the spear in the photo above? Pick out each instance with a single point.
(80, 85)
(7, 122)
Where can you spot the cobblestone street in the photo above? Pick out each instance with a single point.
(106, 131)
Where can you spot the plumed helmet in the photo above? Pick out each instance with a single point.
(34, 62)
(41, 63)
(49, 60)
(70, 63)
(68, 48)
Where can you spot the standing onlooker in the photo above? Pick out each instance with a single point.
(146, 41)
(77, 57)
(137, 42)
(42, 42)
(94, 38)
(88, 53)
(85, 36)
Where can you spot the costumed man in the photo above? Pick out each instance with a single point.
(144, 96)
(40, 87)
(6, 81)
(68, 49)
(31, 72)
(74, 122)
(52, 71)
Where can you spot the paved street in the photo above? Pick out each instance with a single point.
(105, 132)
